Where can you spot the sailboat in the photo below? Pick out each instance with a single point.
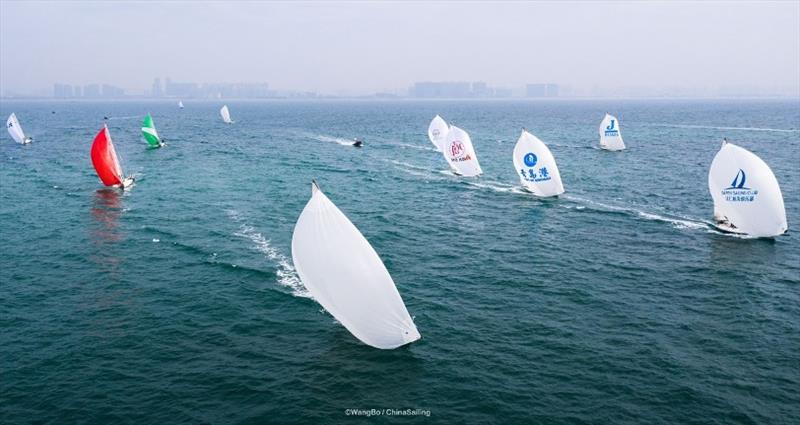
(15, 130)
(345, 275)
(226, 115)
(746, 194)
(460, 154)
(180, 104)
(536, 166)
(106, 163)
(610, 137)
(150, 134)
(437, 131)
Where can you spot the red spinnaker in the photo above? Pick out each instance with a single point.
(104, 159)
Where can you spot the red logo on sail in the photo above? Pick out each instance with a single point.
(456, 148)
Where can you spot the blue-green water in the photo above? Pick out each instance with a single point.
(176, 302)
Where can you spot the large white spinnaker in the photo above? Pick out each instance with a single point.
(226, 114)
(610, 137)
(437, 132)
(460, 154)
(746, 194)
(536, 166)
(344, 274)
(15, 130)
(180, 104)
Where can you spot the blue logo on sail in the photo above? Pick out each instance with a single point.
(738, 192)
(611, 129)
(530, 159)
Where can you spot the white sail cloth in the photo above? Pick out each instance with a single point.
(345, 275)
(226, 114)
(746, 194)
(15, 130)
(536, 166)
(610, 136)
(460, 154)
(437, 132)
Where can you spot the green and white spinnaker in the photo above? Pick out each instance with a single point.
(150, 134)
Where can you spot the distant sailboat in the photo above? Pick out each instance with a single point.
(15, 130)
(437, 132)
(105, 161)
(460, 154)
(746, 194)
(610, 137)
(536, 166)
(345, 275)
(226, 115)
(150, 134)
(180, 104)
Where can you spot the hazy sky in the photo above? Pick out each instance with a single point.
(362, 47)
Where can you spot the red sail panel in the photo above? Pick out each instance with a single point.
(104, 159)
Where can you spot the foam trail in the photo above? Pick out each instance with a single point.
(410, 146)
(339, 140)
(678, 222)
(711, 127)
(287, 275)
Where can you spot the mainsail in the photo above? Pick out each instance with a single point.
(746, 194)
(610, 137)
(345, 275)
(226, 115)
(536, 166)
(180, 104)
(15, 130)
(460, 154)
(149, 132)
(104, 159)
(437, 131)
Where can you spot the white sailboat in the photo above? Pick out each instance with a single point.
(610, 136)
(345, 275)
(180, 104)
(226, 115)
(437, 132)
(460, 154)
(746, 194)
(15, 130)
(536, 166)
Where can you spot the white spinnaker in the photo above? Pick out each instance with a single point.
(180, 104)
(610, 136)
(15, 130)
(344, 274)
(226, 115)
(460, 154)
(536, 167)
(746, 192)
(437, 132)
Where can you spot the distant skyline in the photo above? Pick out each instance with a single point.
(362, 48)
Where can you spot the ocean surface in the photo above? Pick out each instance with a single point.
(177, 302)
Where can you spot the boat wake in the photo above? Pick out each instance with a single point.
(287, 275)
(410, 146)
(711, 127)
(677, 221)
(339, 140)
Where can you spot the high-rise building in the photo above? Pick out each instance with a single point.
(62, 91)
(91, 90)
(156, 91)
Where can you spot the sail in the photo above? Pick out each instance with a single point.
(536, 166)
(149, 132)
(180, 104)
(746, 193)
(460, 154)
(437, 131)
(610, 137)
(345, 275)
(15, 130)
(104, 159)
(226, 115)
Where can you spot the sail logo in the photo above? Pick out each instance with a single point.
(457, 149)
(535, 176)
(738, 192)
(612, 129)
(435, 133)
(530, 159)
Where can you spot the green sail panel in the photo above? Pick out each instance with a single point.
(149, 132)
